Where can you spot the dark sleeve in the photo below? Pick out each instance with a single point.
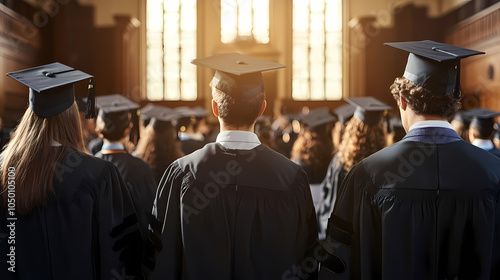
(330, 190)
(312, 245)
(165, 231)
(119, 246)
(340, 243)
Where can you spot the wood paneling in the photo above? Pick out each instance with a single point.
(20, 47)
(480, 78)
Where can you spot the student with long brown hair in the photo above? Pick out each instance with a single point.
(159, 145)
(364, 135)
(313, 148)
(66, 214)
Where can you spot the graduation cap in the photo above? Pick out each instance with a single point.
(368, 109)
(199, 112)
(318, 117)
(434, 66)
(114, 110)
(482, 119)
(237, 74)
(344, 113)
(150, 110)
(51, 88)
(462, 117)
(163, 117)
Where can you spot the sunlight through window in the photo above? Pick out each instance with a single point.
(317, 50)
(171, 44)
(245, 20)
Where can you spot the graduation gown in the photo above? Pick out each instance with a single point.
(140, 182)
(190, 145)
(495, 151)
(426, 207)
(329, 191)
(95, 145)
(87, 230)
(234, 214)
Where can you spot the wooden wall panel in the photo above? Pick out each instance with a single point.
(20, 48)
(480, 78)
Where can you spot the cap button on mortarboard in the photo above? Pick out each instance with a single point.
(49, 74)
(240, 62)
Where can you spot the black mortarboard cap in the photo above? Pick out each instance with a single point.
(51, 88)
(482, 119)
(368, 109)
(200, 112)
(162, 117)
(236, 74)
(434, 66)
(344, 113)
(317, 117)
(114, 110)
(151, 110)
(462, 117)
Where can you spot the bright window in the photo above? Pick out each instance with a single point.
(317, 50)
(245, 20)
(171, 45)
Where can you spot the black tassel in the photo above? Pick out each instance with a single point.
(458, 92)
(90, 112)
(387, 119)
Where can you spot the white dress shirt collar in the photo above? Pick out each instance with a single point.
(238, 140)
(484, 144)
(423, 124)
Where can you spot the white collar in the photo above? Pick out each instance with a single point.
(238, 140)
(422, 124)
(484, 144)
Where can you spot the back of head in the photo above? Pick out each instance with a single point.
(238, 112)
(113, 130)
(360, 141)
(423, 101)
(237, 86)
(431, 81)
(159, 147)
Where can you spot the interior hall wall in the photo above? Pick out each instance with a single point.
(480, 78)
(21, 47)
(373, 66)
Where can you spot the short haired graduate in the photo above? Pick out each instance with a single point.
(235, 208)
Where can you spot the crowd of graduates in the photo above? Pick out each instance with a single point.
(268, 194)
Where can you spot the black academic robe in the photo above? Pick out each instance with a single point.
(495, 151)
(95, 145)
(234, 214)
(87, 230)
(329, 191)
(140, 182)
(190, 145)
(426, 207)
